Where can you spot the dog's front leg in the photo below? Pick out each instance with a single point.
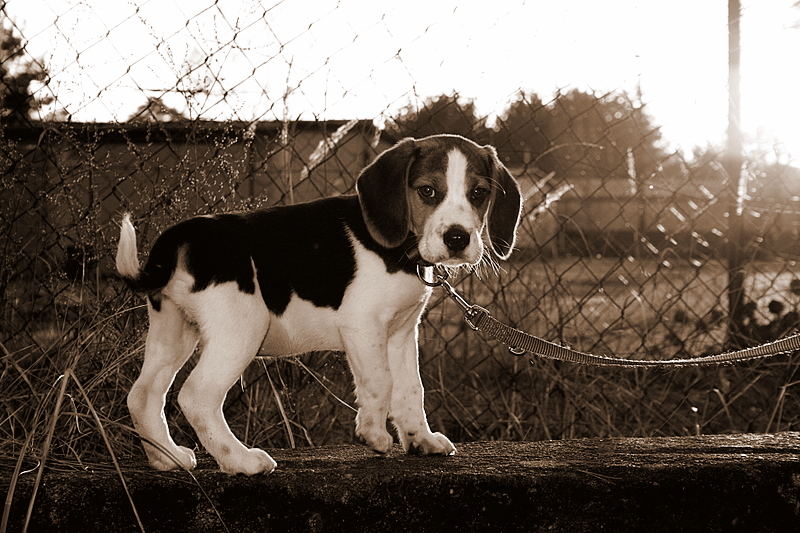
(407, 410)
(366, 355)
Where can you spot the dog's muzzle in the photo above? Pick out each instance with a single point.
(456, 240)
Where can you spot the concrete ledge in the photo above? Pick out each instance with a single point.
(708, 483)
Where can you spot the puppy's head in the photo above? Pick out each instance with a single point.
(446, 190)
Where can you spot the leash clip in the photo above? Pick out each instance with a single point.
(438, 274)
(438, 278)
(465, 306)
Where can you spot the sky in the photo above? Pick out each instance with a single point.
(269, 59)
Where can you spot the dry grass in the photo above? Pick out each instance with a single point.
(64, 378)
(67, 367)
(477, 390)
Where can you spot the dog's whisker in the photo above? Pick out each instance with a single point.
(488, 261)
(497, 184)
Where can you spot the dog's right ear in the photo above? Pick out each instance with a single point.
(382, 191)
(506, 209)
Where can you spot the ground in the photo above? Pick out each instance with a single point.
(712, 483)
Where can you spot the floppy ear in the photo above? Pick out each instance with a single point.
(506, 208)
(382, 189)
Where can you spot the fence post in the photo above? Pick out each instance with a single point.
(733, 168)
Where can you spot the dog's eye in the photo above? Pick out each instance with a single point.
(478, 194)
(426, 191)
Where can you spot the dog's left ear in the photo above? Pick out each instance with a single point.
(504, 213)
(382, 193)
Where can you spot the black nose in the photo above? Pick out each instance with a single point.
(456, 239)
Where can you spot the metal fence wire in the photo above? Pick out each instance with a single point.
(625, 247)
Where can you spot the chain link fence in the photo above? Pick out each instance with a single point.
(625, 247)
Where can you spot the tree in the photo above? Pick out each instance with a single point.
(440, 114)
(155, 110)
(520, 131)
(595, 136)
(18, 71)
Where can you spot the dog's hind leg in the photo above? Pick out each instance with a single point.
(171, 339)
(233, 325)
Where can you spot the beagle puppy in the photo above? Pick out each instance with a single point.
(333, 274)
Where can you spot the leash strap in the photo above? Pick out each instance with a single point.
(520, 343)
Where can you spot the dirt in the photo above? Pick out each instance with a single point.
(709, 483)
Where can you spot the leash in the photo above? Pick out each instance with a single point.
(520, 343)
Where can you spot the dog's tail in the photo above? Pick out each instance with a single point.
(159, 268)
(127, 256)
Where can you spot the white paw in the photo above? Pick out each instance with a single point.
(379, 441)
(372, 430)
(248, 462)
(179, 457)
(430, 444)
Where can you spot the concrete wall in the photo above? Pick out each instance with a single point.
(704, 483)
(77, 179)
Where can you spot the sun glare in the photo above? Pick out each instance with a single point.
(366, 60)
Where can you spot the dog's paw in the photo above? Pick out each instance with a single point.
(248, 462)
(378, 439)
(179, 457)
(430, 444)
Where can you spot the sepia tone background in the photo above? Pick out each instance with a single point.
(631, 243)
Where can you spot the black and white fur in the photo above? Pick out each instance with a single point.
(333, 274)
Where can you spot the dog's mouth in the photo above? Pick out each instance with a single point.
(453, 262)
(413, 253)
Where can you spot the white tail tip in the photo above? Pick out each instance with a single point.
(127, 257)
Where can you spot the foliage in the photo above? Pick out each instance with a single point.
(440, 114)
(18, 71)
(520, 132)
(155, 110)
(576, 135)
(593, 135)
